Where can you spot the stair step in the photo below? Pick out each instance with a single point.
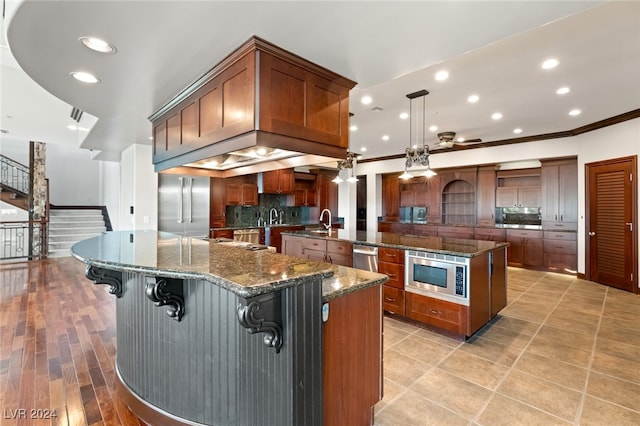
(71, 231)
(84, 224)
(74, 212)
(60, 238)
(79, 218)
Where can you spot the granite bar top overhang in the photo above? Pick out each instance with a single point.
(243, 272)
(443, 245)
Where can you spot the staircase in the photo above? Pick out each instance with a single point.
(68, 226)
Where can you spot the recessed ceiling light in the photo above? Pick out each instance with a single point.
(261, 151)
(97, 44)
(473, 99)
(575, 112)
(442, 75)
(150, 138)
(366, 100)
(517, 131)
(563, 91)
(404, 116)
(72, 127)
(460, 139)
(496, 116)
(359, 157)
(385, 137)
(84, 77)
(353, 128)
(363, 149)
(549, 64)
(433, 128)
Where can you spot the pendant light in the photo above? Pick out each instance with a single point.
(418, 155)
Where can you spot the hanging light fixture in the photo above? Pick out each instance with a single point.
(418, 155)
(346, 164)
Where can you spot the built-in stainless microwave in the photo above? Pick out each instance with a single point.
(437, 275)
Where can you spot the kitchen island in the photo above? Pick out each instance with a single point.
(459, 284)
(241, 337)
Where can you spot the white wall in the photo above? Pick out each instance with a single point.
(138, 188)
(74, 178)
(110, 191)
(620, 140)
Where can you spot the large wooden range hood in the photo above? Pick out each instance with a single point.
(261, 108)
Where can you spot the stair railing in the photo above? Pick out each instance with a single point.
(14, 175)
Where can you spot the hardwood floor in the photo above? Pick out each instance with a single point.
(57, 347)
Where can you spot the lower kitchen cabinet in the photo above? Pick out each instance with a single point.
(525, 247)
(560, 251)
(394, 271)
(221, 233)
(275, 239)
(319, 250)
(393, 300)
(490, 234)
(465, 232)
(438, 313)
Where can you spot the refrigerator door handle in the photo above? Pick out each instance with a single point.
(181, 191)
(190, 200)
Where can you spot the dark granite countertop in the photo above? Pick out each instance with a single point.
(444, 245)
(243, 272)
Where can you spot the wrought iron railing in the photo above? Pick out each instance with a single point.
(14, 175)
(24, 240)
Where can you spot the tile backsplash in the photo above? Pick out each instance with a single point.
(248, 215)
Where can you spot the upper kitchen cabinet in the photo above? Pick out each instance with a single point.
(559, 209)
(242, 191)
(278, 182)
(258, 96)
(390, 197)
(519, 188)
(326, 192)
(486, 196)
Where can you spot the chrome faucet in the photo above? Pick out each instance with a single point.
(327, 226)
(273, 216)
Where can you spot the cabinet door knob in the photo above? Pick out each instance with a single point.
(592, 234)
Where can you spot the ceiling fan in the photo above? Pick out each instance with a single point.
(447, 140)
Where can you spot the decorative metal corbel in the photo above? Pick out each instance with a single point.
(106, 276)
(269, 321)
(167, 292)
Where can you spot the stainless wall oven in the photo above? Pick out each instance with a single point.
(437, 275)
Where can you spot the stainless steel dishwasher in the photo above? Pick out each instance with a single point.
(365, 257)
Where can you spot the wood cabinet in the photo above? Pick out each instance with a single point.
(561, 251)
(390, 197)
(270, 97)
(438, 313)
(490, 234)
(425, 230)
(221, 233)
(305, 193)
(275, 235)
(465, 232)
(525, 247)
(217, 203)
(393, 300)
(486, 196)
(326, 193)
(559, 208)
(518, 197)
(413, 195)
(391, 263)
(242, 194)
(352, 358)
(278, 182)
(319, 249)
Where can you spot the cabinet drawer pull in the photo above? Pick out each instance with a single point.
(389, 299)
(392, 275)
(433, 311)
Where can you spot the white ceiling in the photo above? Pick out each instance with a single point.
(493, 49)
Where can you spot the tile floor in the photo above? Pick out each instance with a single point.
(564, 351)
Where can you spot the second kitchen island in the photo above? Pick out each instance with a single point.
(451, 284)
(209, 334)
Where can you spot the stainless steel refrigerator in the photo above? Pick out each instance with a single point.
(183, 204)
